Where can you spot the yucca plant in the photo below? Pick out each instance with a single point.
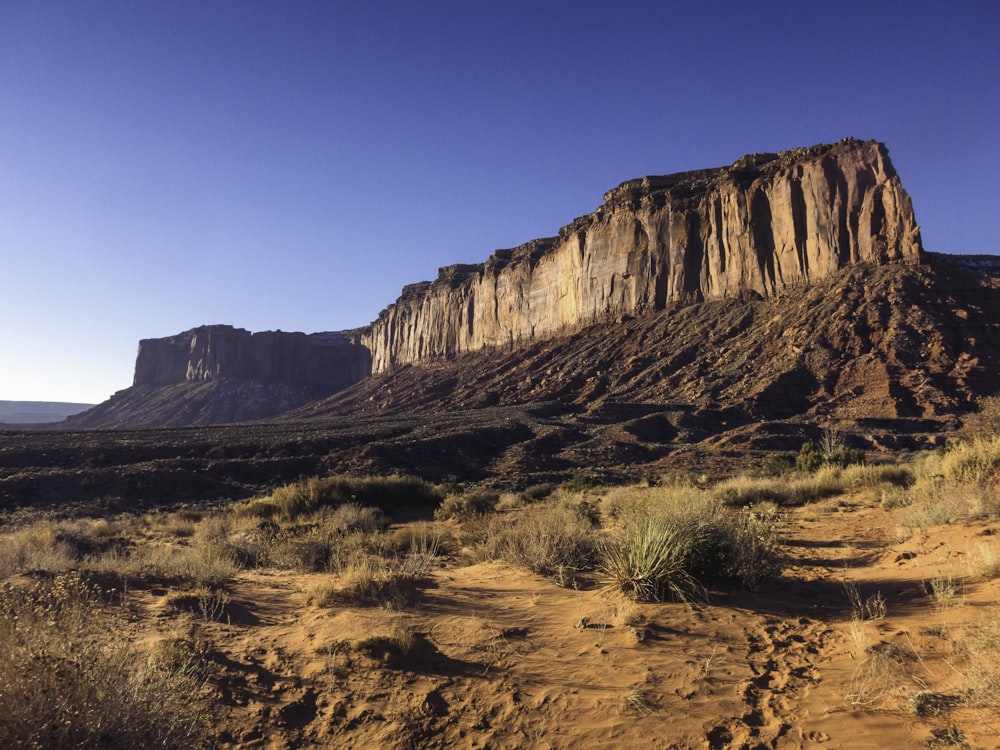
(650, 561)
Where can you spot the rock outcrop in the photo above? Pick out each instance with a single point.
(319, 360)
(765, 224)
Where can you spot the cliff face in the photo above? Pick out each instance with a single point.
(765, 224)
(319, 360)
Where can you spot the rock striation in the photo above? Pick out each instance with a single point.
(765, 224)
(327, 361)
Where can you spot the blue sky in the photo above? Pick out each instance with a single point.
(291, 165)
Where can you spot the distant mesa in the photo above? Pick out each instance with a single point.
(767, 224)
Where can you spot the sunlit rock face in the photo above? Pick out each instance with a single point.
(321, 360)
(767, 223)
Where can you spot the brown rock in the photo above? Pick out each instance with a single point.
(767, 223)
(320, 360)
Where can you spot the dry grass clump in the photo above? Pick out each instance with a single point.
(557, 540)
(465, 505)
(69, 679)
(208, 564)
(370, 579)
(397, 643)
(59, 546)
(984, 424)
(34, 548)
(826, 481)
(961, 482)
(211, 604)
(981, 646)
(305, 497)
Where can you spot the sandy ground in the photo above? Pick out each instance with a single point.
(507, 659)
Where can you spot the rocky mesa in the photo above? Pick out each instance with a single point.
(759, 228)
(754, 229)
(324, 360)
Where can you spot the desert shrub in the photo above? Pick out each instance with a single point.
(778, 464)
(985, 424)
(69, 679)
(583, 481)
(976, 462)
(211, 604)
(748, 547)
(808, 459)
(856, 476)
(537, 492)
(746, 490)
(305, 497)
(688, 536)
(651, 561)
(370, 579)
(213, 529)
(960, 482)
(554, 540)
(87, 536)
(826, 481)
(422, 544)
(398, 642)
(35, 548)
(351, 517)
(208, 564)
(467, 505)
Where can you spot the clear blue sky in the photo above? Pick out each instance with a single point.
(291, 165)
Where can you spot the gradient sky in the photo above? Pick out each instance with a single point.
(291, 165)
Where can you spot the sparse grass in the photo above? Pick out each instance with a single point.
(981, 647)
(211, 604)
(638, 700)
(68, 678)
(946, 591)
(864, 609)
(396, 644)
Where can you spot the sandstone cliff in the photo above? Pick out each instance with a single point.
(319, 360)
(767, 223)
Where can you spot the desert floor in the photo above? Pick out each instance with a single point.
(505, 658)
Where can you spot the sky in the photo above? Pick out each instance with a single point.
(291, 166)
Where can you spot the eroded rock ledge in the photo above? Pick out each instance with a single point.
(762, 225)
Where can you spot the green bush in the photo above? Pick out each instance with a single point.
(582, 481)
(779, 464)
(808, 460)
